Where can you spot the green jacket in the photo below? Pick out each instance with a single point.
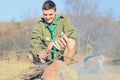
(42, 36)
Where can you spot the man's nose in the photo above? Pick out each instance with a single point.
(47, 16)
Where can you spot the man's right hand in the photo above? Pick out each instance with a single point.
(42, 56)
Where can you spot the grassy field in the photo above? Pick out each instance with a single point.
(10, 70)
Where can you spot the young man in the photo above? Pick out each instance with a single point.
(52, 35)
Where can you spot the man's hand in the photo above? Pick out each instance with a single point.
(66, 39)
(42, 56)
(50, 46)
(62, 42)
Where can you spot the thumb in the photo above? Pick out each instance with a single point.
(50, 46)
(42, 60)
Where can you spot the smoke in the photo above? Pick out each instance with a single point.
(96, 68)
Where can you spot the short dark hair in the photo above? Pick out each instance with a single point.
(49, 4)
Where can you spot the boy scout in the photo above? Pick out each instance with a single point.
(52, 35)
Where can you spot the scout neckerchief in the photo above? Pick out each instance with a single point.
(52, 29)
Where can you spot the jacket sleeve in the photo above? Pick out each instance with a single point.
(36, 40)
(68, 28)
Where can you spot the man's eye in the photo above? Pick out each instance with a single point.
(50, 14)
(45, 14)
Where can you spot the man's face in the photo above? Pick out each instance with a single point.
(49, 15)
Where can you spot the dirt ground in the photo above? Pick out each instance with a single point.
(10, 70)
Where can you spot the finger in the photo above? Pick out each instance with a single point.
(44, 52)
(57, 45)
(42, 60)
(43, 56)
(50, 46)
(66, 38)
(60, 43)
(63, 41)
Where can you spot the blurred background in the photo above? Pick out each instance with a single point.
(97, 23)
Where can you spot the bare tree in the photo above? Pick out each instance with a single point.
(97, 33)
(82, 7)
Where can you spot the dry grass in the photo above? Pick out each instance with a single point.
(9, 70)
